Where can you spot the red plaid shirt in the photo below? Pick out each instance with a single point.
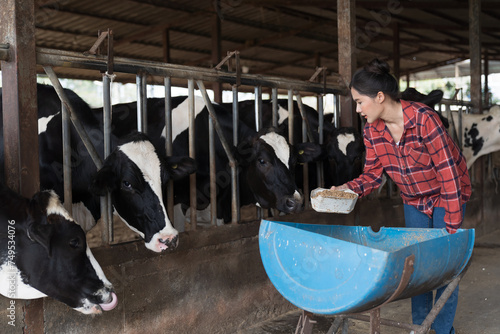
(426, 164)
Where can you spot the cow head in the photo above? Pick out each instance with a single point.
(53, 259)
(344, 150)
(133, 174)
(269, 163)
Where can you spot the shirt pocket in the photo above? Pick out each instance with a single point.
(417, 156)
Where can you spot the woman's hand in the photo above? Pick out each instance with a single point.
(342, 187)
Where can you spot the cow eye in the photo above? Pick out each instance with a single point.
(127, 184)
(262, 162)
(75, 243)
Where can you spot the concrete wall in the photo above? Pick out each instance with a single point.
(215, 281)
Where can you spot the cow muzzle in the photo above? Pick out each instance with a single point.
(168, 243)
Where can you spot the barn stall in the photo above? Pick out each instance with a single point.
(214, 282)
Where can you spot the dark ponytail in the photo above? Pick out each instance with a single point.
(375, 77)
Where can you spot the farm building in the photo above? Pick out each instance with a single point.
(174, 269)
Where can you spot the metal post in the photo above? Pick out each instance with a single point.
(258, 108)
(291, 117)
(106, 205)
(168, 143)
(234, 171)
(319, 164)
(192, 153)
(274, 94)
(66, 138)
(141, 102)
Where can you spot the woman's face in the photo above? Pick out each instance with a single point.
(369, 107)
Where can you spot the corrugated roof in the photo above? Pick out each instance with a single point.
(275, 37)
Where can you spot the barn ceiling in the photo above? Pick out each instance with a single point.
(288, 38)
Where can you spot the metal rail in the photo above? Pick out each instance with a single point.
(51, 57)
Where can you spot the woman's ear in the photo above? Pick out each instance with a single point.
(380, 97)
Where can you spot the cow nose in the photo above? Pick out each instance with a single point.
(291, 204)
(170, 243)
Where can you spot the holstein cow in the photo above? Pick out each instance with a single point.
(133, 173)
(342, 149)
(266, 160)
(43, 252)
(481, 133)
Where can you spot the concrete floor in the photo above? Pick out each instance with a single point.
(478, 307)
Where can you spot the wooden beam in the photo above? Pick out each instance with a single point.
(475, 54)
(20, 120)
(346, 24)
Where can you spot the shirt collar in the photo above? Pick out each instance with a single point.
(408, 114)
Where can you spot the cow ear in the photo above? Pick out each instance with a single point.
(308, 152)
(106, 178)
(42, 234)
(178, 167)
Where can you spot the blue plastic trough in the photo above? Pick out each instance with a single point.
(327, 269)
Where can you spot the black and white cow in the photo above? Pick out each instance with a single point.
(133, 173)
(480, 135)
(266, 160)
(43, 252)
(343, 148)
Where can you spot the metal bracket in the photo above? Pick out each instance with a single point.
(315, 75)
(236, 55)
(95, 49)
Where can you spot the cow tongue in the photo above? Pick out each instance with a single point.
(111, 305)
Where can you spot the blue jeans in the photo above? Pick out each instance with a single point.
(421, 305)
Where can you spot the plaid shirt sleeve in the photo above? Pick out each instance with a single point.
(442, 151)
(371, 178)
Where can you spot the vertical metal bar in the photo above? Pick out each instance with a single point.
(211, 159)
(168, 143)
(291, 118)
(192, 152)
(68, 194)
(337, 110)
(235, 191)
(144, 104)
(258, 126)
(306, 165)
(138, 84)
(274, 98)
(141, 102)
(258, 108)
(319, 164)
(106, 205)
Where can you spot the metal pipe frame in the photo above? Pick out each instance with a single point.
(51, 57)
(77, 60)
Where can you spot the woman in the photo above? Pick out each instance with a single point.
(408, 141)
